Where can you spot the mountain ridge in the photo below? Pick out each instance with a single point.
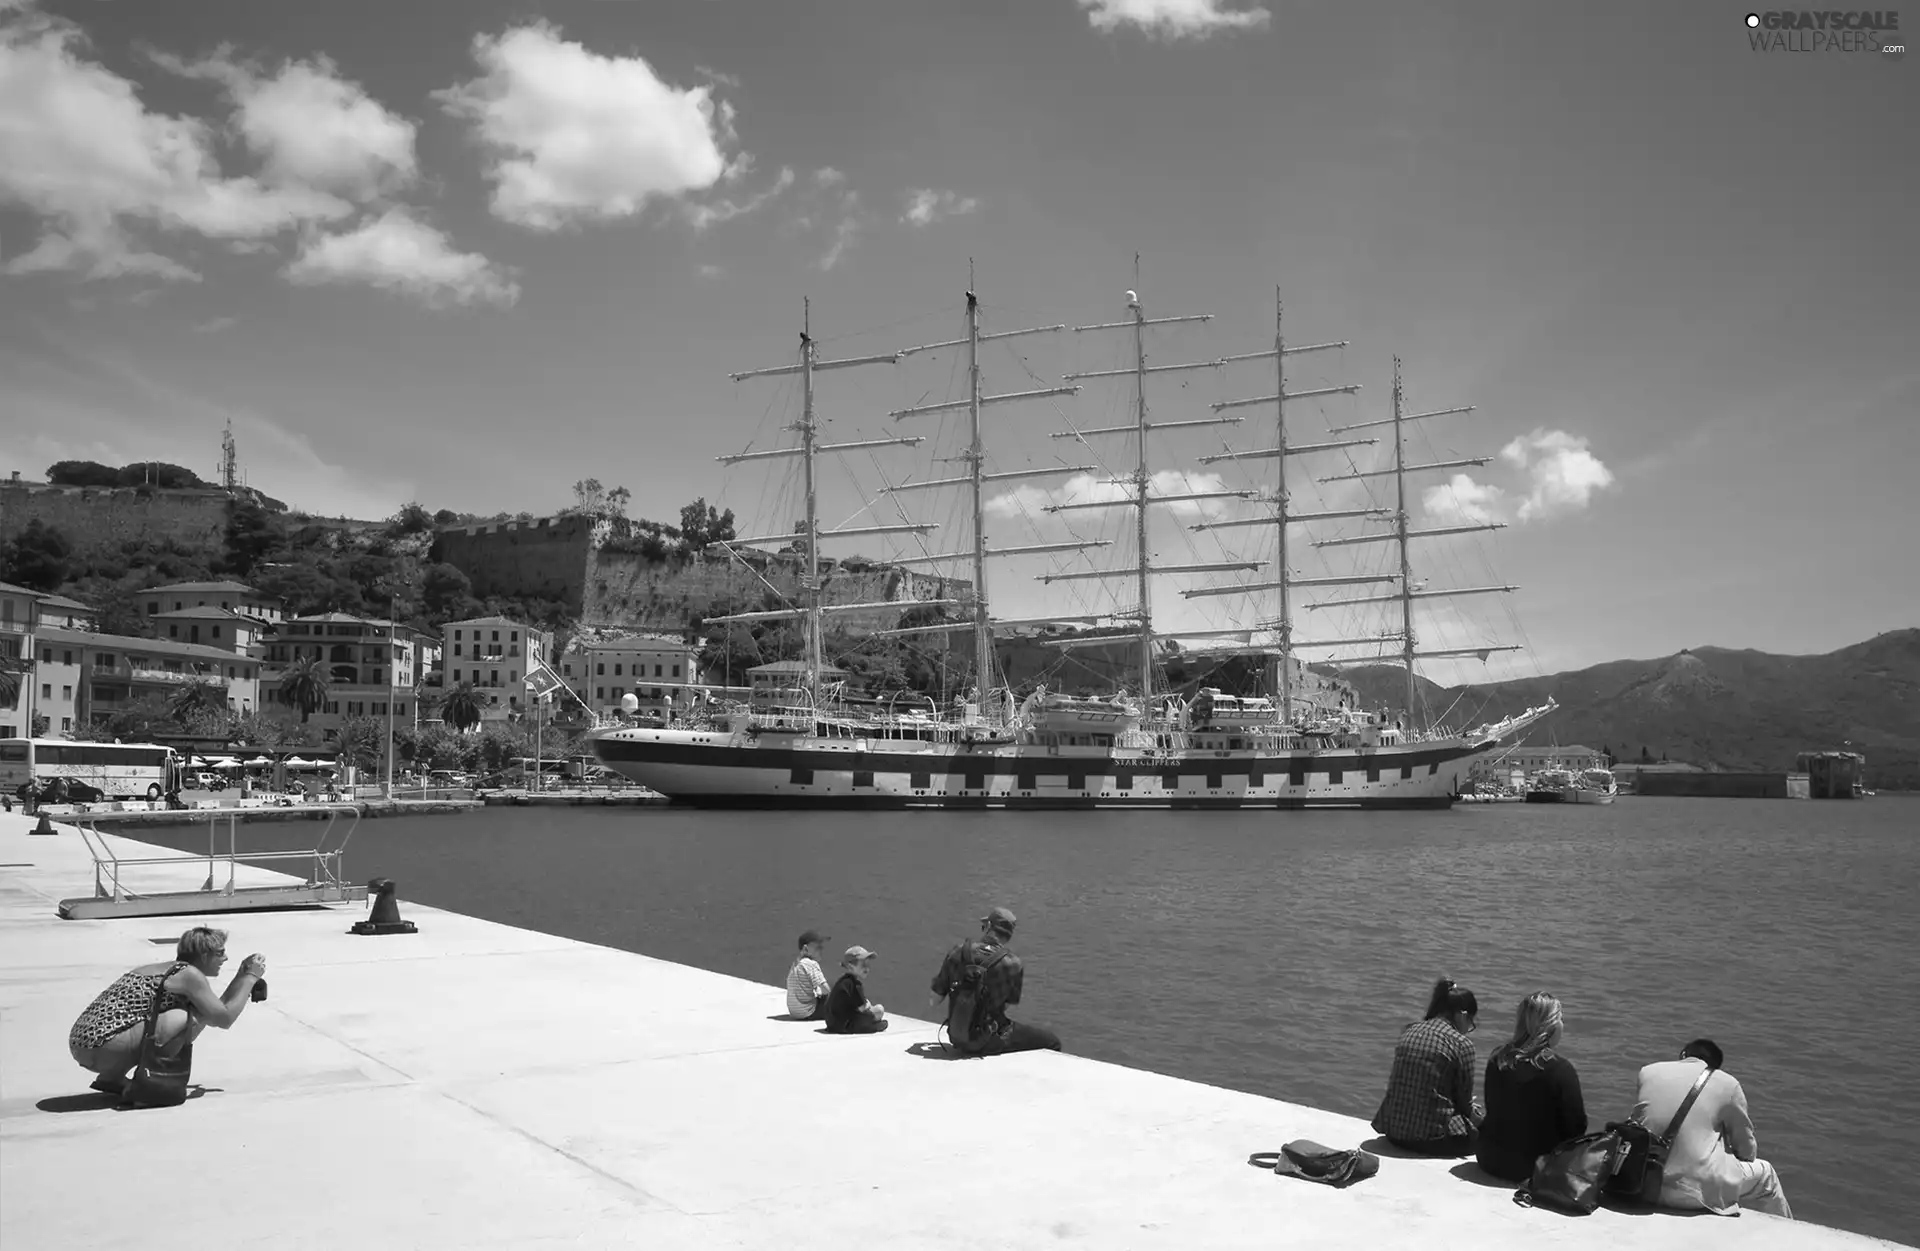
(1719, 707)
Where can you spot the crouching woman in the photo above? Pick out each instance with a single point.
(106, 1039)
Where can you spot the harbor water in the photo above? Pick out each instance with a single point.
(1280, 953)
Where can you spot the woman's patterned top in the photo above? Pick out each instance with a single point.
(123, 1005)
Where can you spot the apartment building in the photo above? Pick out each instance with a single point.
(493, 653)
(1531, 759)
(209, 626)
(372, 664)
(66, 614)
(655, 669)
(234, 596)
(82, 677)
(18, 617)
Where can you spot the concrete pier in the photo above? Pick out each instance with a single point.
(476, 1085)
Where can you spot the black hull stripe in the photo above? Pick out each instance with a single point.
(896, 803)
(614, 751)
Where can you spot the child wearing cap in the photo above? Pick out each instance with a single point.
(806, 984)
(848, 1010)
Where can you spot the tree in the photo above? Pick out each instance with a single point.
(253, 534)
(267, 729)
(701, 523)
(361, 741)
(39, 558)
(617, 501)
(1646, 757)
(589, 497)
(305, 685)
(411, 519)
(461, 708)
(82, 473)
(12, 678)
(446, 593)
(197, 699)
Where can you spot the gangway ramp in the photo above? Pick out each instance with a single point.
(320, 865)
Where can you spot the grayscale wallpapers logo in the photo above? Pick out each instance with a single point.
(1875, 32)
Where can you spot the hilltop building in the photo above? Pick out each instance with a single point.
(655, 669)
(234, 596)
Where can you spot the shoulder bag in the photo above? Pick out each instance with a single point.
(1570, 1176)
(159, 1081)
(1643, 1162)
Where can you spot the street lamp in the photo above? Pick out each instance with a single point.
(393, 672)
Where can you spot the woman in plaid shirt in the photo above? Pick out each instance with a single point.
(1429, 1106)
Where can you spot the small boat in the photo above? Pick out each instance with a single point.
(1565, 786)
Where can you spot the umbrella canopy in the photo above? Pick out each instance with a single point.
(216, 762)
(257, 761)
(296, 762)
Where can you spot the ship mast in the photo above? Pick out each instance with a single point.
(976, 462)
(1140, 480)
(810, 533)
(1400, 534)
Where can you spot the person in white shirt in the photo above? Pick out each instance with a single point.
(1715, 1161)
(806, 984)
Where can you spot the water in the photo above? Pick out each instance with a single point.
(1280, 953)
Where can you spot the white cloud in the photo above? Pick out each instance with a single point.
(1560, 477)
(926, 206)
(828, 176)
(1462, 501)
(214, 325)
(577, 136)
(310, 126)
(80, 150)
(845, 232)
(398, 253)
(711, 271)
(1028, 501)
(705, 215)
(1562, 473)
(1175, 19)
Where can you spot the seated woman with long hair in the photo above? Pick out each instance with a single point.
(107, 1037)
(1533, 1094)
(1429, 1106)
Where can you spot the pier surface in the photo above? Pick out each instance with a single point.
(477, 1085)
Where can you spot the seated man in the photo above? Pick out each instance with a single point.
(983, 997)
(848, 1009)
(806, 984)
(1715, 1161)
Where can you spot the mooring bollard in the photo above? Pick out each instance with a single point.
(384, 918)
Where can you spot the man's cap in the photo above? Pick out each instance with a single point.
(812, 936)
(856, 953)
(999, 919)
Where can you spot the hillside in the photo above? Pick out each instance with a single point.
(1713, 706)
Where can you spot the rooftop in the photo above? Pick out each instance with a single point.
(133, 643)
(61, 601)
(574, 1115)
(205, 612)
(234, 588)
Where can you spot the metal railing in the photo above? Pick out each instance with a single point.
(324, 874)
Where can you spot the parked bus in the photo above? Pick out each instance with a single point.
(117, 770)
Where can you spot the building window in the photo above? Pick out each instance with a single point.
(656, 671)
(173, 630)
(656, 692)
(676, 671)
(46, 655)
(401, 708)
(616, 670)
(599, 692)
(66, 658)
(456, 649)
(513, 636)
(66, 692)
(566, 669)
(216, 631)
(46, 690)
(493, 677)
(496, 636)
(600, 670)
(66, 724)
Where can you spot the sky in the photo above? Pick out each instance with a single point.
(470, 253)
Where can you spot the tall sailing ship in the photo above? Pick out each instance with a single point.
(799, 741)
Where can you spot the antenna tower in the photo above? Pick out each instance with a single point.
(229, 460)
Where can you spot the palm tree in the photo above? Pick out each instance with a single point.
(10, 682)
(197, 699)
(461, 708)
(305, 686)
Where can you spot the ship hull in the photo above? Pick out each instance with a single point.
(720, 770)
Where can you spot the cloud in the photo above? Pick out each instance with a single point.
(214, 325)
(926, 206)
(711, 271)
(1560, 477)
(575, 136)
(705, 215)
(1175, 19)
(1462, 501)
(399, 253)
(78, 148)
(845, 231)
(1028, 501)
(1563, 474)
(310, 126)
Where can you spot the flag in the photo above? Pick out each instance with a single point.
(542, 681)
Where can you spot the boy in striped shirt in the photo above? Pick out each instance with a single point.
(806, 984)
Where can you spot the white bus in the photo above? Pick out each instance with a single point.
(117, 770)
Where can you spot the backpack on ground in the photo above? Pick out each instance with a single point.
(969, 1018)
